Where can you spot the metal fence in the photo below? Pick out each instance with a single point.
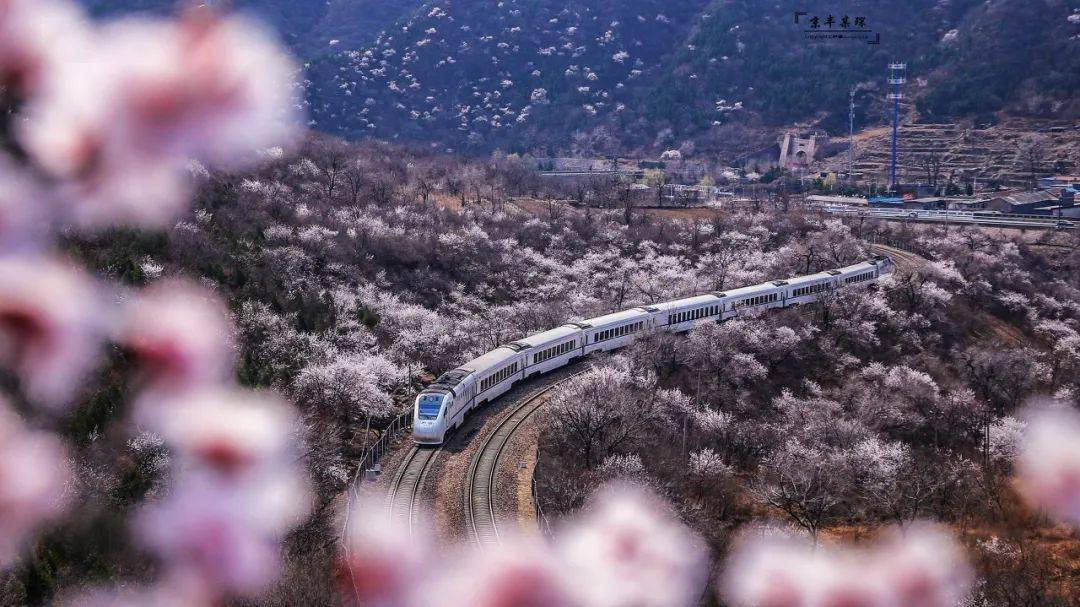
(541, 518)
(373, 453)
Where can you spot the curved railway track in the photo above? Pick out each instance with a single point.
(404, 498)
(900, 256)
(480, 484)
(480, 516)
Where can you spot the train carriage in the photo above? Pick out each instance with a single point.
(684, 314)
(757, 297)
(551, 349)
(615, 330)
(442, 406)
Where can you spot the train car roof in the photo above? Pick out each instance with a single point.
(697, 300)
(613, 318)
(490, 359)
(865, 265)
(802, 280)
(546, 337)
(448, 381)
(766, 287)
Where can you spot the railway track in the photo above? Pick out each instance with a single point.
(480, 483)
(991, 328)
(404, 498)
(899, 255)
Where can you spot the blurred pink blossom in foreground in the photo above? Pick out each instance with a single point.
(518, 572)
(627, 549)
(33, 474)
(382, 557)
(118, 121)
(111, 118)
(1049, 464)
(220, 539)
(36, 38)
(52, 323)
(180, 337)
(24, 210)
(922, 567)
(236, 490)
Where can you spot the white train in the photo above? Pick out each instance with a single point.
(442, 406)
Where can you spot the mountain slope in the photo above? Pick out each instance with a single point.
(308, 26)
(558, 74)
(547, 76)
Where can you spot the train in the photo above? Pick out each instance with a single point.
(442, 406)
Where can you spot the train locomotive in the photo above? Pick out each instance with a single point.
(441, 407)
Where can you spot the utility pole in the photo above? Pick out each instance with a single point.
(897, 77)
(851, 134)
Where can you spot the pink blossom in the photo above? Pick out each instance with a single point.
(517, 573)
(923, 567)
(206, 86)
(229, 431)
(383, 557)
(158, 596)
(769, 572)
(120, 124)
(51, 326)
(223, 538)
(35, 37)
(130, 190)
(33, 475)
(24, 210)
(628, 551)
(1049, 463)
(180, 337)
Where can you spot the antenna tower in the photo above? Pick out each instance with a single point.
(851, 134)
(897, 78)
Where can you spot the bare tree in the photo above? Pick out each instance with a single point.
(354, 182)
(803, 483)
(1031, 151)
(602, 411)
(930, 163)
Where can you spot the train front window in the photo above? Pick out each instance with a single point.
(429, 407)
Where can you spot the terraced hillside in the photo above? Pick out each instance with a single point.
(988, 154)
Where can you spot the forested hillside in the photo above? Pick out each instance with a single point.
(548, 76)
(356, 273)
(307, 26)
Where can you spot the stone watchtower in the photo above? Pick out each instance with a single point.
(797, 151)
